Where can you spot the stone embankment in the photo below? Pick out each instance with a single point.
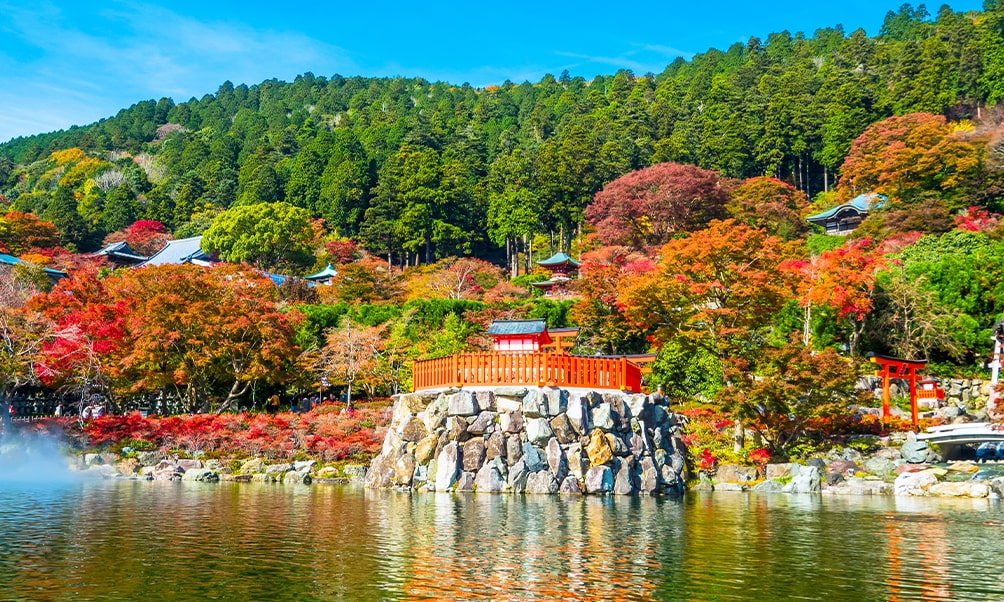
(914, 469)
(157, 466)
(532, 440)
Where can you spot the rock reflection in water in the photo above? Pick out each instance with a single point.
(197, 541)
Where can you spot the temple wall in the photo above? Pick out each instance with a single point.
(532, 440)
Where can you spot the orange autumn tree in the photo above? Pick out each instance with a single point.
(908, 157)
(208, 334)
(717, 289)
(769, 203)
(22, 232)
(598, 313)
(841, 279)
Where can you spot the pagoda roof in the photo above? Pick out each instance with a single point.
(328, 272)
(861, 204)
(120, 249)
(517, 327)
(559, 258)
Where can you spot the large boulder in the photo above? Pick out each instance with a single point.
(456, 429)
(511, 422)
(538, 431)
(462, 403)
(578, 463)
(556, 461)
(650, 481)
(624, 478)
(533, 459)
(915, 483)
(202, 475)
(603, 417)
(448, 467)
(806, 481)
(488, 479)
(426, 449)
(960, 489)
(474, 454)
(599, 479)
(404, 470)
(541, 482)
(166, 470)
(734, 473)
(570, 485)
(919, 452)
(599, 450)
(484, 423)
(579, 415)
(517, 477)
(413, 430)
(495, 446)
(486, 400)
(298, 477)
(381, 472)
(562, 429)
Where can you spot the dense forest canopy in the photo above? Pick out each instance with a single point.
(417, 170)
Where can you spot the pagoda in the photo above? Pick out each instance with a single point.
(323, 277)
(561, 267)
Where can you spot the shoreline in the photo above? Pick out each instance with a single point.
(915, 480)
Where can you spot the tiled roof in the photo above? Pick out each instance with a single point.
(184, 250)
(11, 260)
(558, 259)
(328, 272)
(120, 249)
(861, 203)
(506, 327)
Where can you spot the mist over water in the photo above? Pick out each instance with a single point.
(30, 458)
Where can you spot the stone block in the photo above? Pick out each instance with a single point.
(538, 431)
(203, 475)
(603, 418)
(488, 479)
(532, 458)
(465, 482)
(448, 467)
(571, 486)
(484, 423)
(579, 415)
(462, 403)
(599, 450)
(541, 482)
(557, 463)
(486, 400)
(474, 454)
(511, 422)
(495, 446)
(599, 479)
(413, 430)
(562, 429)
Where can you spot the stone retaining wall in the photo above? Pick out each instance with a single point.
(531, 440)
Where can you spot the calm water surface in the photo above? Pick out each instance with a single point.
(121, 540)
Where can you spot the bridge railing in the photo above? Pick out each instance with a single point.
(527, 369)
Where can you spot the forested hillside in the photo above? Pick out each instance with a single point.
(416, 170)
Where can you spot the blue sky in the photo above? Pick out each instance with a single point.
(72, 62)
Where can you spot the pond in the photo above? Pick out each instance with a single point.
(128, 540)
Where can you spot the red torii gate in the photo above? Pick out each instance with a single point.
(889, 367)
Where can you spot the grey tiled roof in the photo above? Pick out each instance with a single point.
(517, 327)
(184, 250)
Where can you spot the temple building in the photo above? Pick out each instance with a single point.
(120, 254)
(324, 277)
(562, 267)
(843, 219)
(514, 336)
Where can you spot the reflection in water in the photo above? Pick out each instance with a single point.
(195, 541)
